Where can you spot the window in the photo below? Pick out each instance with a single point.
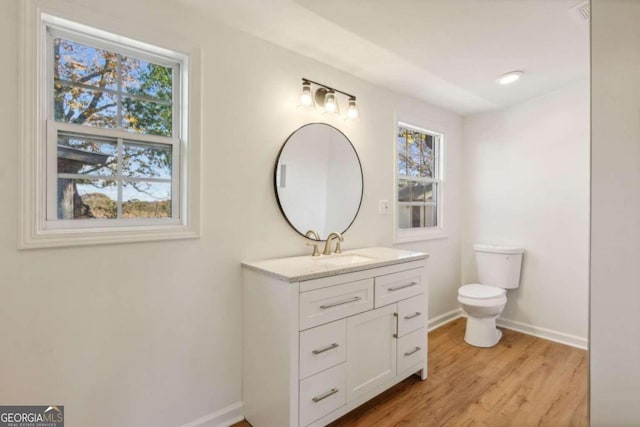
(113, 148)
(113, 128)
(419, 183)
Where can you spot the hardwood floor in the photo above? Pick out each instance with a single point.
(523, 381)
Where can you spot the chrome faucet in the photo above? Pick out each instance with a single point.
(312, 234)
(327, 245)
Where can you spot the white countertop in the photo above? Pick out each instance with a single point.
(301, 268)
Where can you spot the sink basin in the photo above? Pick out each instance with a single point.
(342, 260)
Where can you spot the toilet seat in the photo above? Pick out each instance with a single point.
(482, 295)
(477, 291)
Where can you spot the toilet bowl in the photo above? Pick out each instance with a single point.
(498, 270)
(482, 305)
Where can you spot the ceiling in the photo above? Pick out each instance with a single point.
(446, 52)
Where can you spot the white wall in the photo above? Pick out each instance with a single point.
(615, 210)
(149, 333)
(526, 183)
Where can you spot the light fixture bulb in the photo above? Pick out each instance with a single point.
(352, 109)
(331, 103)
(306, 98)
(509, 77)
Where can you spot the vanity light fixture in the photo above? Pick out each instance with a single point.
(326, 97)
(352, 109)
(331, 103)
(306, 97)
(509, 77)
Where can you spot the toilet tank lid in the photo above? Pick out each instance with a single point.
(498, 249)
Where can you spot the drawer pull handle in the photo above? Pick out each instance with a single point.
(415, 350)
(397, 288)
(411, 316)
(335, 304)
(327, 348)
(324, 396)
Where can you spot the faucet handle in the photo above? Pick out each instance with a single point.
(313, 235)
(316, 251)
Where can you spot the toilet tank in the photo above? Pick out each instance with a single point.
(499, 265)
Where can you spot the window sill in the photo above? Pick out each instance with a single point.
(103, 236)
(418, 236)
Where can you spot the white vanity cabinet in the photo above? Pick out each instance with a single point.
(320, 340)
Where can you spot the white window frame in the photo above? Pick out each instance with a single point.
(39, 224)
(403, 235)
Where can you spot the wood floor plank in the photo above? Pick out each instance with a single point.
(523, 381)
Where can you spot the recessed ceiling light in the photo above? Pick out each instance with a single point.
(509, 77)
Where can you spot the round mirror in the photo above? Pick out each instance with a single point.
(318, 180)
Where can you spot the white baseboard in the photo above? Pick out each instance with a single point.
(443, 319)
(548, 334)
(222, 418)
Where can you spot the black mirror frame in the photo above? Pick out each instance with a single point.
(275, 178)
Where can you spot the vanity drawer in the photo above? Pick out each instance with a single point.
(335, 302)
(411, 314)
(322, 347)
(411, 349)
(398, 286)
(322, 393)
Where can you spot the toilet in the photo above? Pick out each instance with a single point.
(498, 270)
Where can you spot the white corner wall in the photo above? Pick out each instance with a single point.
(526, 183)
(150, 332)
(615, 214)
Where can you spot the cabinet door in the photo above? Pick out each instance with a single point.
(371, 350)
